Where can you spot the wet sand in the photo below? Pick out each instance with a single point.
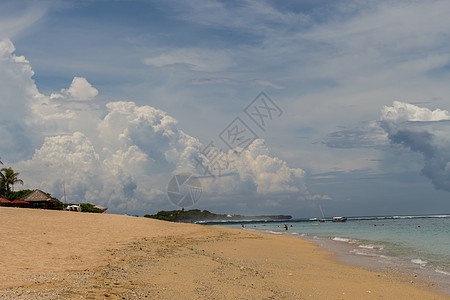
(65, 255)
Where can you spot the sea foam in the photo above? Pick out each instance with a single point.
(419, 261)
(340, 239)
(442, 272)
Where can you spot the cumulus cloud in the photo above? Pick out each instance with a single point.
(424, 131)
(135, 152)
(122, 155)
(401, 112)
(80, 89)
(125, 162)
(259, 181)
(255, 171)
(270, 174)
(6, 48)
(17, 90)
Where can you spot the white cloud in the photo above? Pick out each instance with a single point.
(17, 91)
(71, 162)
(61, 114)
(6, 48)
(80, 89)
(270, 174)
(255, 178)
(136, 151)
(130, 158)
(401, 112)
(124, 154)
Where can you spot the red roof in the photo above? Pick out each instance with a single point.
(3, 200)
(20, 202)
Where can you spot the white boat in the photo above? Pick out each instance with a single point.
(339, 219)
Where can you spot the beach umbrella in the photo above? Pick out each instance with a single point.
(3, 200)
(103, 209)
(20, 202)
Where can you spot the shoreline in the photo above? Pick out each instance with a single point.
(348, 252)
(50, 254)
(356, 245)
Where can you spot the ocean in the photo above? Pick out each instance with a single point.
(411, 244)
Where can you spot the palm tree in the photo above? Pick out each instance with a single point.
(8, 178)
(2, 186)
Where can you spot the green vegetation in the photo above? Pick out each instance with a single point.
(87, 207)
(8, 178)
(57, 205)
(15, 195)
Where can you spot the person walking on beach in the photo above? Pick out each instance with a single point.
(285, 227)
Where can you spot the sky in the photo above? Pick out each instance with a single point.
(275, 107)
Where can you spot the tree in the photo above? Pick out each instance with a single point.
(9, 178)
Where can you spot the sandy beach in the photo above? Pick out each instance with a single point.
(65, 255)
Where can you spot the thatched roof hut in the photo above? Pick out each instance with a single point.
(39, 199)
(37, 196)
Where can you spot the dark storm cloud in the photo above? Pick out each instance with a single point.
(437, 158)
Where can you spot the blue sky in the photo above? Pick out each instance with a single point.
(363, 86)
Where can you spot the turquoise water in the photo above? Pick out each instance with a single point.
(422, 242)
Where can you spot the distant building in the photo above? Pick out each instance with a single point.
(73, 208)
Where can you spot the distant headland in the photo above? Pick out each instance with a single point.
(196, 215)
